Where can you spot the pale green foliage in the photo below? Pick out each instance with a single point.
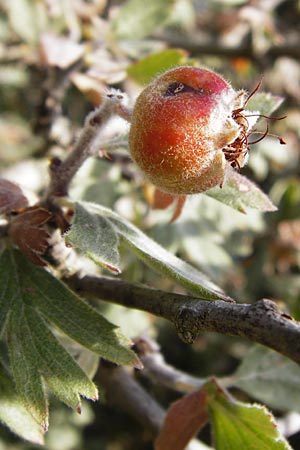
(242, 194)
(136, 20)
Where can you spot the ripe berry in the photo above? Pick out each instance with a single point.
(188, 126)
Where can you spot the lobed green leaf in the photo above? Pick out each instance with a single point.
(31, 300)
(72, 315)
(61, 373)
(239, 426)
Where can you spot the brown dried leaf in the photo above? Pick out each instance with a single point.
(27, 232)
(183, 421)
(11, 197)
(59, 51)
(90, 87)
(34, 216)
(289, 233)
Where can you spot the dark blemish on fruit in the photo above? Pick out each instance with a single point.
(178, 88)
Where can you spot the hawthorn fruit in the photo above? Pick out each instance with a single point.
(188, 127)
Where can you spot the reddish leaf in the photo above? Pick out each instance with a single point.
(27, 232)
(34, 216)
(183, 421)
(11, 197)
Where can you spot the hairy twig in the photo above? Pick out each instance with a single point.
(62, 173)
(261, 322)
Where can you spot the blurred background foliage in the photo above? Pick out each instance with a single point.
(57, 58)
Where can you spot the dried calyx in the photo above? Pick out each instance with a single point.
(236, 153)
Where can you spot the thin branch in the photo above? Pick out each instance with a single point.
(198, 47)
(62, 173)
(123, 392)
(261, 322)
(161, 373)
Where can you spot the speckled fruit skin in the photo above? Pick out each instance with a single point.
(180, 124)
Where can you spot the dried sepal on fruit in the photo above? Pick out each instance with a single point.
(188, 127)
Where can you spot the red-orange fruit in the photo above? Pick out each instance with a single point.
(187, 129)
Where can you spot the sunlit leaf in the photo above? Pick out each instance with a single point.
(241, 194)
(239, 426)
(157, 257)
(95, 236)
(22, 18)
(13, 413)
(145, 69)
(264, 102)
(136, 20)
(59, 51)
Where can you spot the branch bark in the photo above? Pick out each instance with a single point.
(261, 322)
(123, 392)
